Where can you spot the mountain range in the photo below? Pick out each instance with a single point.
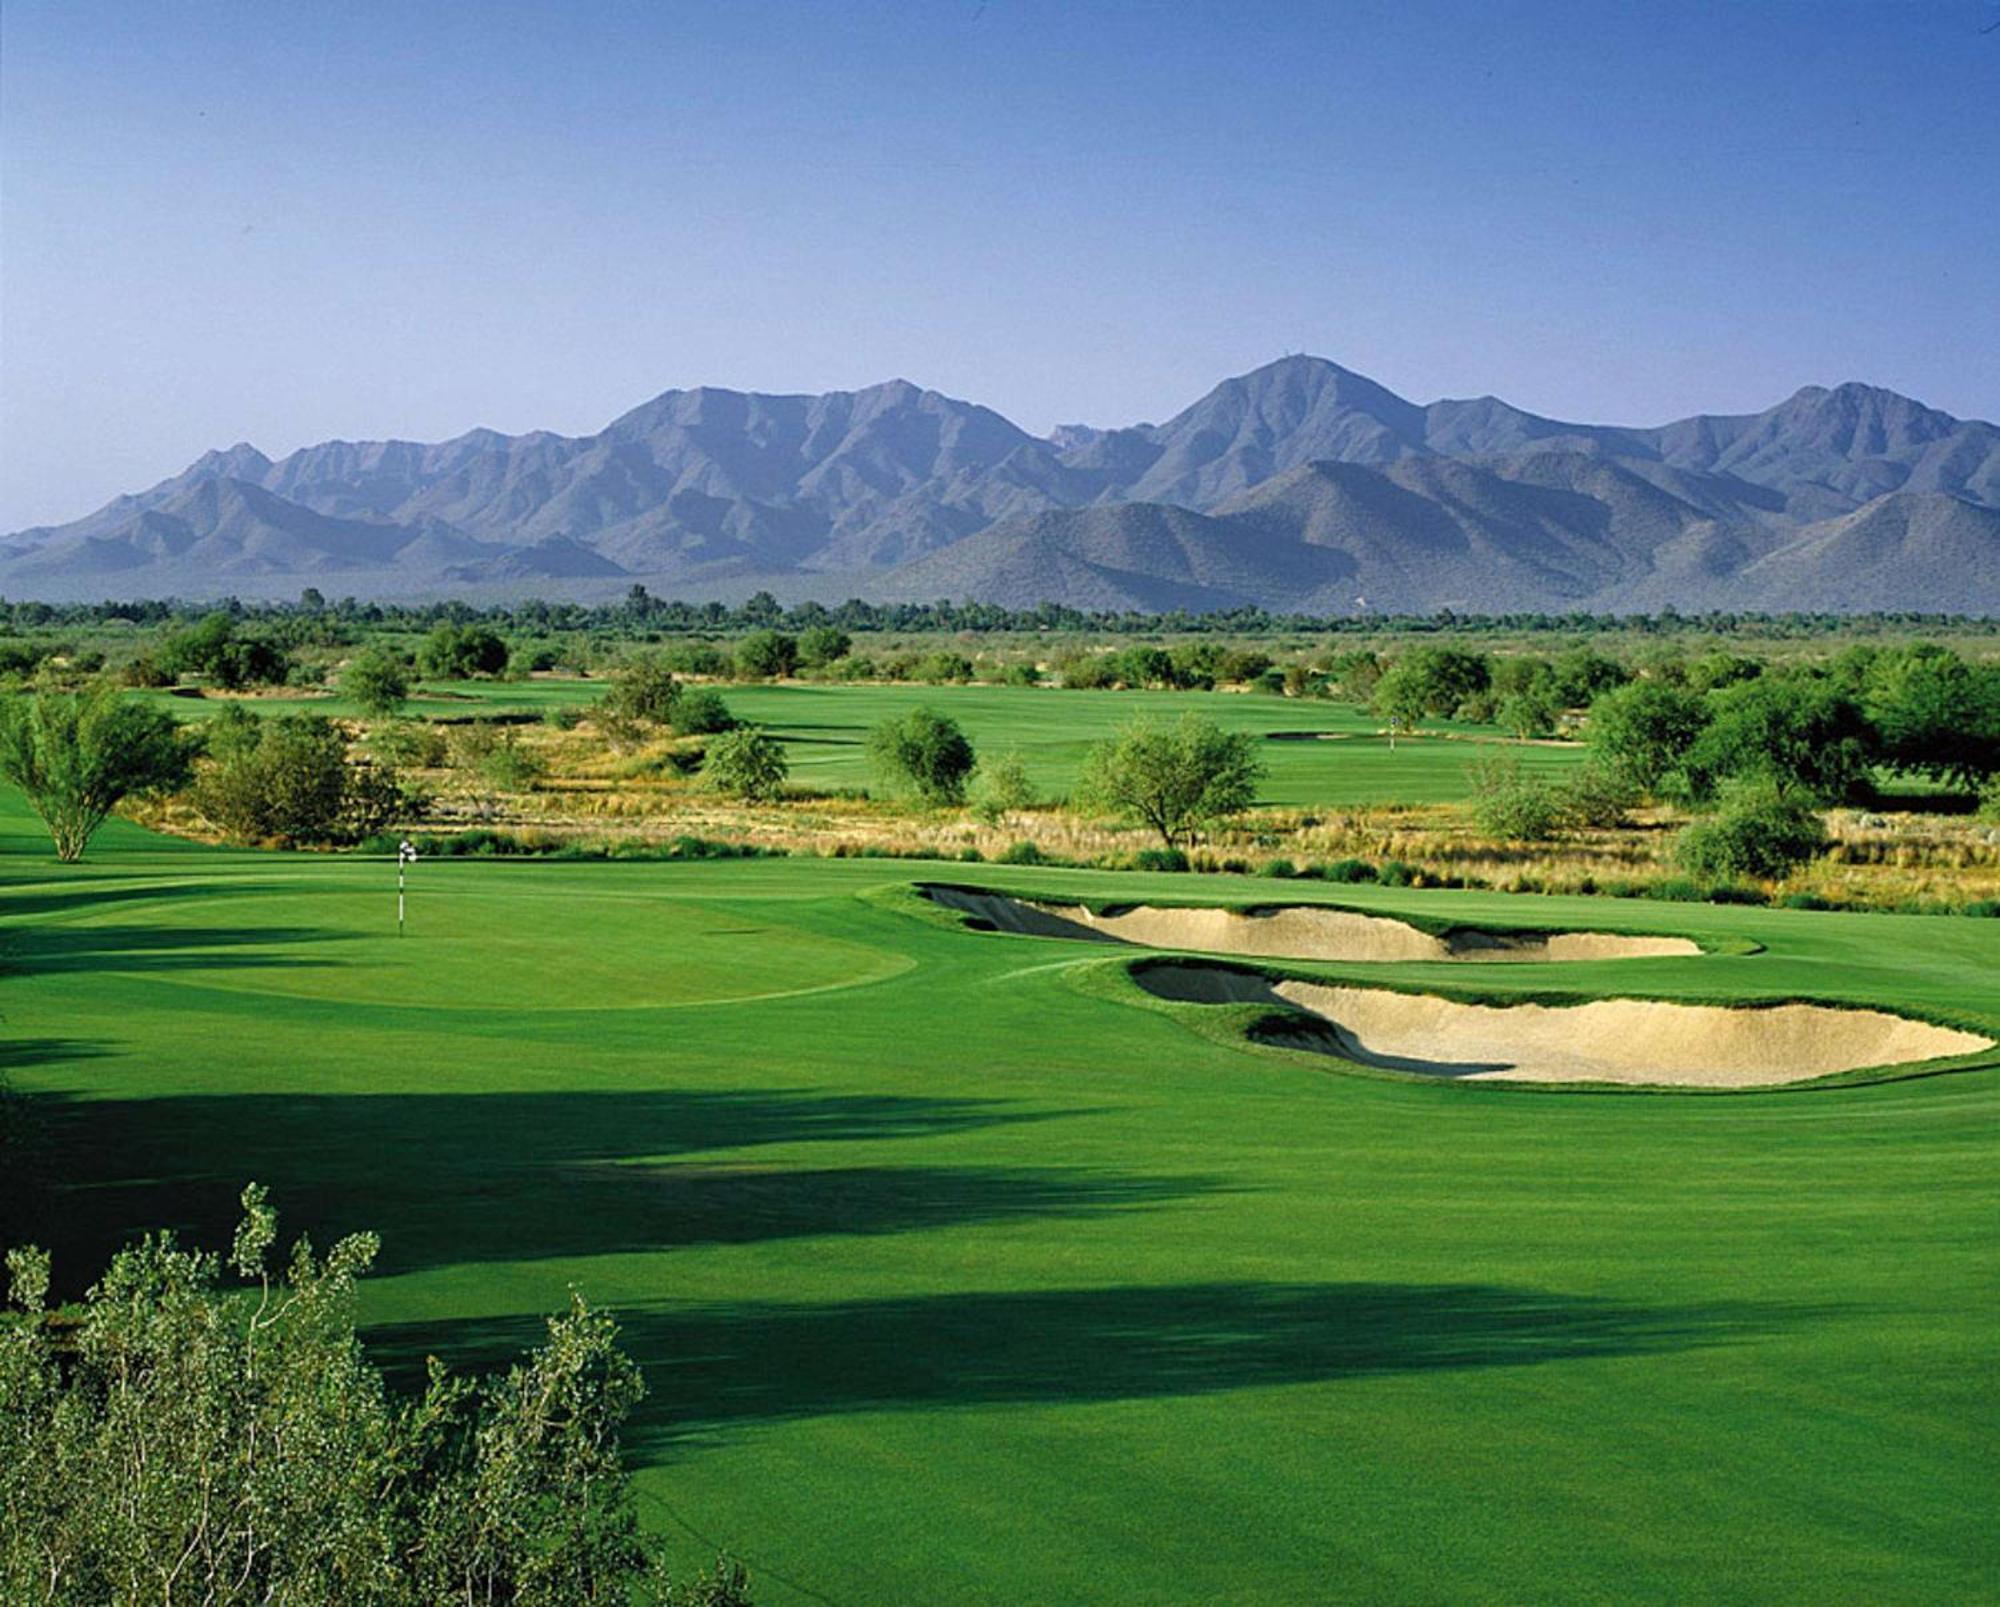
(1300, 487)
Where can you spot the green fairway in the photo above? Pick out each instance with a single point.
(960, 1272)
(1321, 753)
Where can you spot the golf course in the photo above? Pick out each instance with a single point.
(962, 1266)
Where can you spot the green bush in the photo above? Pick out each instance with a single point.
(377, 680)
(701, 712)
(1021, 853)
(767, 655)
(284, 778)
(77, 755)
(460, 652)
(1509, 804)
(408, 743)
(644, 690)
(1166, 859)
(747, 763)
(1002, 787)
(925, 752)
(1760, 833)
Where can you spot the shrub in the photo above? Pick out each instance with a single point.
(1085, 671)
(1350, 870)
(512, 767)
(1512, 805)
(1592, 795)
(748, 763)
(939, 669)
(1759, 833)
(377, 681)
(77, 755)
(767, 655)
(1642, 733)
(925, 752)
(1530, 713)
(1003, 786)
(1176, 779)
(1021, 853)
(821, 645)
(283, 778)
(1021, 673)
(171, 1427)
(213, 649)
(1165, 859)
(409, 743)
(701, 712)
(460, 652)
(1282, 869)
(644, 690)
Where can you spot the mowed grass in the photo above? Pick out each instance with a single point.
(1322, 754)
(956, 1281)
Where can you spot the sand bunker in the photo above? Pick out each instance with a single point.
(1293, 932)
(1635, 1041)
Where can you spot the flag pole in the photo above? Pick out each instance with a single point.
(404, 855)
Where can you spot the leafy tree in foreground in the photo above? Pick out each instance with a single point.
(77, 755)
(1175, 779)
(747, 763)
(926, 752)
(177, 1440)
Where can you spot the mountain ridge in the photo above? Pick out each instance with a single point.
(1313, 488)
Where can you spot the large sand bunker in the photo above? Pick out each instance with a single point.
(1636, 1041)
(1291, 931)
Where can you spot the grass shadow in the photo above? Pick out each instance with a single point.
(35, 950)
(710, 1368)
(449, 1179)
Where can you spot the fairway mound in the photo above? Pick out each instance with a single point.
(1642, 1042)
(1290, 932)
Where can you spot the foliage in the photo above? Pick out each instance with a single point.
(1534, 711)
(1933, 714)
(747, 763)
(1759, 832)
(926, 752)
(178, 1439)
(288, 778)
(77, 755)
(461, 652)
(1592, 795)
(1431, 681)
(644, 689)
(1509, 804)
(1642, 733)
(213, 648)
(1175, 779)
(377, 680)
(1003, 786)
(767, 655)
(701, 712)
(944, 668)
(511, 765)
(411, 743)
(821, 645)
(1795, 732)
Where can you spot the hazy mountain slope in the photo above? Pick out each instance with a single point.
(1325, 487)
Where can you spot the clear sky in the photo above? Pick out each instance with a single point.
(284, 222)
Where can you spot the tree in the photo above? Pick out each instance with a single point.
(178, 1437)
(767, 655)
(1004, 786)
(1431, 681)
(926, 752)
(1933, 714)
(377, 680)
(1514, 806)
(1175, 779)
(77, 755)
(1799, 733)
(459, 652)
(212, 648)
(747, 763)
(1642, 733)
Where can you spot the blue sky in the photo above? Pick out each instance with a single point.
(284, 223)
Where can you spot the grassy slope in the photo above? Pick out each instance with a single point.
(825, 729)
(957, 1282)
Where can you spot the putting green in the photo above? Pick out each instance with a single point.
(954, 1278)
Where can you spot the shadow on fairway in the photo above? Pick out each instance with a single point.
(27, 950)
(708, 1368)
(448, 1179)
(65, 900)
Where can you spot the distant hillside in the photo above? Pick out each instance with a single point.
(1302, 485)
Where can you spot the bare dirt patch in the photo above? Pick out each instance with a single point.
(1640, 1042)
(1292, 931)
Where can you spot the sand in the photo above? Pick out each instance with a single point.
(1642, 1042)
(1294, 932)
